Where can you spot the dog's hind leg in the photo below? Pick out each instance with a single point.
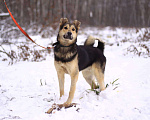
(89, 77)
(99, 75)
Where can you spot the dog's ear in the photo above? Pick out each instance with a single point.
(77, 24)
(62, 22)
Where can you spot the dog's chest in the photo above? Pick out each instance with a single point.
(65, 69)
(65, 54)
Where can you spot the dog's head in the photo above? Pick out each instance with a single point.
(68, 32)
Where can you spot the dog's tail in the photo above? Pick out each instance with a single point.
(91, 40)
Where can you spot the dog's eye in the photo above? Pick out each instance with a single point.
(73, 29)
(65, 28)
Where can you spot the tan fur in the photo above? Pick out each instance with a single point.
(89, 77)
(99, 75)
(92, 72)
(63, 21)
(71, 68)
(77, 24)
(91, 40)
(67, 42)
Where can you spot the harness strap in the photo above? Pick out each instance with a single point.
(23, 30)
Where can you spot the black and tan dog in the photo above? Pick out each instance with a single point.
(71, 58)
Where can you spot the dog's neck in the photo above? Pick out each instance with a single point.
(58, 43)
(65, 53)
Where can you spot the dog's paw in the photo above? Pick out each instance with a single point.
(65, 105)
(60, 106)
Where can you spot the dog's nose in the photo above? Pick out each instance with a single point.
(69, 33)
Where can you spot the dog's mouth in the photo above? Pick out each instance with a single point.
(68, 35)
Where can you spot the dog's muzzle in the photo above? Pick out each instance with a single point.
(68, 35)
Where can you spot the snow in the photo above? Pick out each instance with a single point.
(4, 14)
(28, 89)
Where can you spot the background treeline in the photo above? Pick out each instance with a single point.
(124, 13)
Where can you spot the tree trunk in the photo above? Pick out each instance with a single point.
(21, 13)
(64, 8)
(76, 9)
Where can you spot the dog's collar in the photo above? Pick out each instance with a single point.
(66, 46)
(58, 43)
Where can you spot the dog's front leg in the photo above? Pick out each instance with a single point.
(74, 78)
(61, 82)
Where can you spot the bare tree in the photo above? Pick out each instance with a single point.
(21, 13)
(130, 13)
(142, 10)
(76, 9)
(64, 8)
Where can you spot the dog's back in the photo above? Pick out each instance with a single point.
(88, 54)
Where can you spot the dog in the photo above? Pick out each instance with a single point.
(70, 58)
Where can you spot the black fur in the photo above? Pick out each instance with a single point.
(62, 59)
(101, 46)
(61, 26)
(87, 55)
(64, 50)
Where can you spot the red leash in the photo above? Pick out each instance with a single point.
(23, 30)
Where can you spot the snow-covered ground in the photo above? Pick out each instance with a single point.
(28, 89)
